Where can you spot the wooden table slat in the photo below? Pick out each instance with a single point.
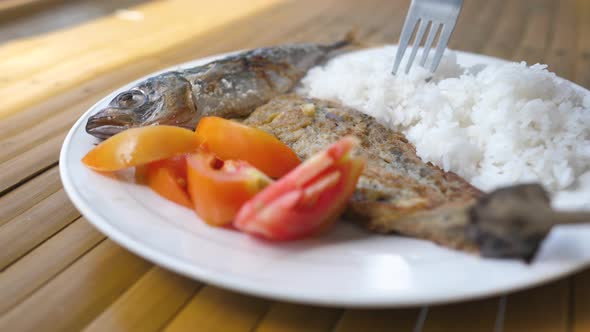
(561, 53)
(38, 132)
(581, 302)
(545, 308)
(82, 97)
(509, 28)
(46, 261)
(29, 194)
(354, 320)
(288, 317)
(19, 64)
(148, 305)
(76, 296)
(12, 5)
(476, 25)
(582, 73)
(31, 162)
(213, 309)
(474, 316)
(32, 227)
(537, 33)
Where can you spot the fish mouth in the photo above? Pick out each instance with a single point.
(103, 126)
(104, 132)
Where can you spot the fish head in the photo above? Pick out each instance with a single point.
(164, 99)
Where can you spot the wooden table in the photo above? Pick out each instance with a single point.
(58, 273)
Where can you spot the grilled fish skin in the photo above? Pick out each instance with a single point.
(229, 87)
(397, 191)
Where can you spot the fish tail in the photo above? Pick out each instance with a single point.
(348, 40)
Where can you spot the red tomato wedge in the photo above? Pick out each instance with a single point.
(308, 199)
(230, 140)
(168, 178)
(219, 188)
(139, 146)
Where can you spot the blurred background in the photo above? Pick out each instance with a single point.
(22, 18)
(547, 31)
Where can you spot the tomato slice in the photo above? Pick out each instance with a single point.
(219, 188)
(307, 200)
(230, 140)
(139, 146)
(168, 178)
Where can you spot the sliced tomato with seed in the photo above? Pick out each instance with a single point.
(218, 188)
(308, 199)
(230, 140)
(168, 177)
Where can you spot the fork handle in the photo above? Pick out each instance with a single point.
(563, 218)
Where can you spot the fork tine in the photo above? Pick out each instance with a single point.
(441, 46)
(419, 35)
(441, 16)
(434, 27)
(407, 30)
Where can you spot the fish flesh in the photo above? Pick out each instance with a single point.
(229, 87)
(397, 191)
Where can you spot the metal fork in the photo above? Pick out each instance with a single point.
(439, 15)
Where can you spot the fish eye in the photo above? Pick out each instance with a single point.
(131, 99)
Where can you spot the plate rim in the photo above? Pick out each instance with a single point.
(206, 275)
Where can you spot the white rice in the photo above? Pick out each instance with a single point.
(497, 125)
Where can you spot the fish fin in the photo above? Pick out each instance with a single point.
(350, 39)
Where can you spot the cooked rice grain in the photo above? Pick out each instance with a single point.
(494, 125)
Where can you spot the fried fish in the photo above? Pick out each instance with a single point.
(397, 191)
(229, 87)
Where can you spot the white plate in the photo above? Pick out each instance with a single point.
(347, 267)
